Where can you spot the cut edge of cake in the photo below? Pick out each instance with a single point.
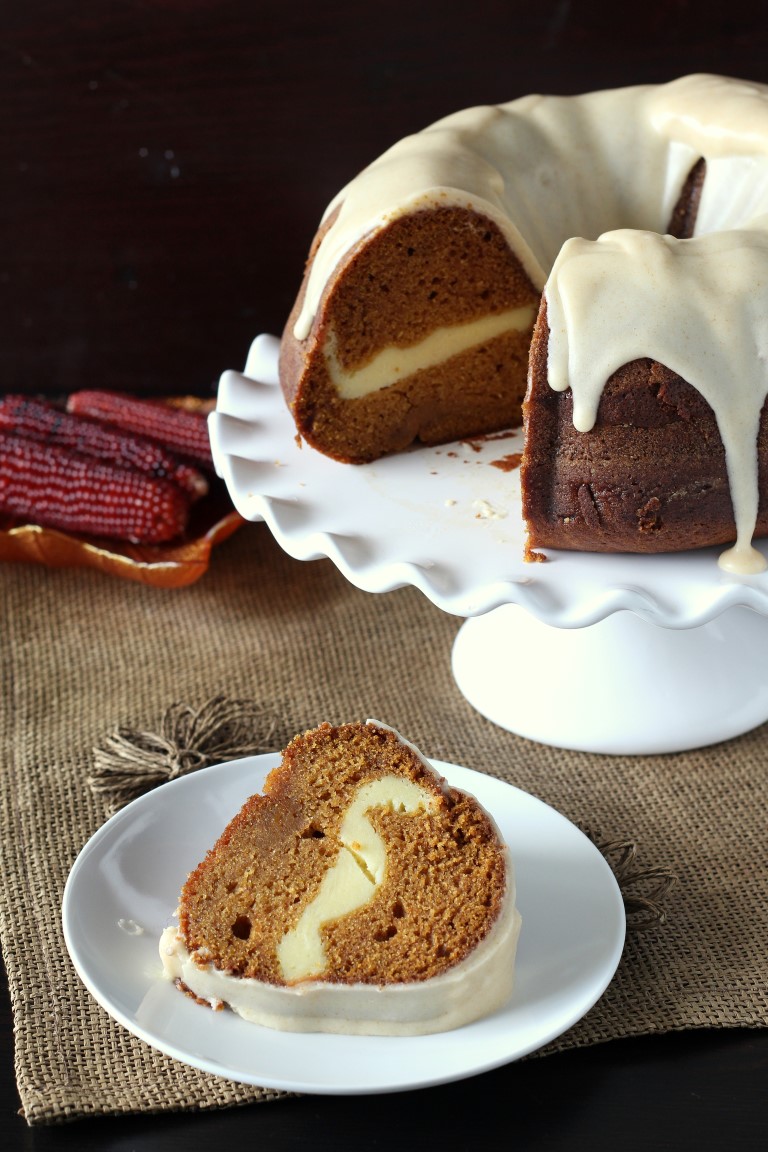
(472, 988)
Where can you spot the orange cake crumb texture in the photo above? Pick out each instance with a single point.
(443, 889)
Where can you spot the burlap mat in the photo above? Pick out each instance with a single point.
(83, 653)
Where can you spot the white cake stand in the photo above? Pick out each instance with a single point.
(614, 654)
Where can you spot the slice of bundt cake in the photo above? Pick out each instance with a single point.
(424, 337)
(358, 893)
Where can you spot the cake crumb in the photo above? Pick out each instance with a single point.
(508, 463)
(531, 556)
(486, 511)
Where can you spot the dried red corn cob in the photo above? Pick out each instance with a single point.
(54, 486)
(183, 431)
(41, 420)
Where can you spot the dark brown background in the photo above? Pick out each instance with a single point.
(163, 167)
(164, 164)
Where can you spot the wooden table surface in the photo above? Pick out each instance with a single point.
(164, 165)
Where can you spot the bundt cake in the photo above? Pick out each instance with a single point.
(357, 893)
(631, 228)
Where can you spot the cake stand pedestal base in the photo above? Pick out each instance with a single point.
(623, 686)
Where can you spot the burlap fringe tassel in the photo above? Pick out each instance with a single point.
(131, 762)
(643, 890)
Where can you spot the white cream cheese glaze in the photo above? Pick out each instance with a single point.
(523, 165)
(607, 168)
(698, 306)
(475, 987)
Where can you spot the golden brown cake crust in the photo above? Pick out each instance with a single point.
(649, 477)
(445, 880)
(431, 268)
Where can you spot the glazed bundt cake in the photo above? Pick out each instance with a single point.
(634, 224)
(358, 893)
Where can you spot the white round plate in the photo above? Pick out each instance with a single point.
(124, 887)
